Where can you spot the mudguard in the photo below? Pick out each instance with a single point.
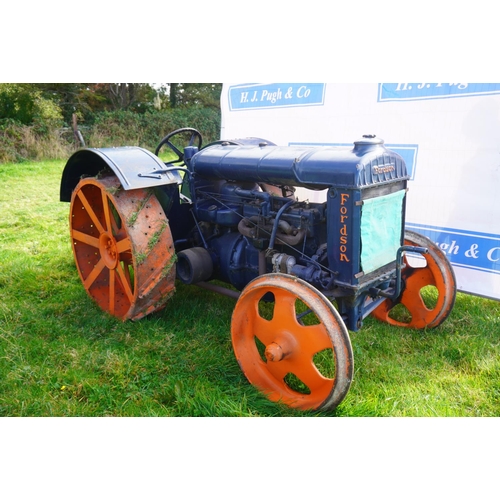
(135, 168)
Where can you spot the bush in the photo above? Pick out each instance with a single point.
(126, 128)
(22, 103)
(39, 141)
(44, 140)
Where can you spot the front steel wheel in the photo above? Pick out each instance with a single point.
(122, 246)
(291, 343)
(429, 288)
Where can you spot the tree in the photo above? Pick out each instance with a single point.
(174, 90)
(29, 101)
(82, 99)
(87, 99)
(122, 95)
(26, 103)
(131, 96)
(206, 95)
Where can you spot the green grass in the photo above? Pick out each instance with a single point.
(60, 355)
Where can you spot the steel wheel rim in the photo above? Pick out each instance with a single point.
(112, 231)
(290, 347)
(437, 273)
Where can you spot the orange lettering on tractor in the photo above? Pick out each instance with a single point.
(343, 228)
(343, 198)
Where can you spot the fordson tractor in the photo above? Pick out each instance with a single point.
(227, 217)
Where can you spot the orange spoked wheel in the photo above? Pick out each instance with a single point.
(291, 343)
(429, 288)
(122, 247)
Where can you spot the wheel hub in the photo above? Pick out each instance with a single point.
(274, 352)
(280, 347)
(109, 253)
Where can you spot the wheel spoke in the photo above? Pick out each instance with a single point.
(418, 278)
(96, 271)
(305, 371)
(285, 314)
(313, 339)
(309, 374)
(264, 330)
(85, 238)
(90, 211)
(105, 208)
(382, 311)
(175, 150)
(420, 314)
(278, 370)
(123, 245)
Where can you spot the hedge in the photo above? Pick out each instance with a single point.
(41, 141)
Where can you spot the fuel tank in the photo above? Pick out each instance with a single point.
(366, 163)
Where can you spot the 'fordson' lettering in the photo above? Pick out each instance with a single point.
(383, 169)
(343, 236)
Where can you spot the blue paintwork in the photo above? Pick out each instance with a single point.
(310, 167)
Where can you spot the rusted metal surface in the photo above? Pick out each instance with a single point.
(122, 247)
(438, 273)
(290, 346)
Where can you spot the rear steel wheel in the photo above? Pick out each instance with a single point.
(429, 288)
(122, 247)
(291, 343)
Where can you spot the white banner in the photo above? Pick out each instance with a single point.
(448, 134)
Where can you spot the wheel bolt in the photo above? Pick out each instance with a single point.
(273, 352)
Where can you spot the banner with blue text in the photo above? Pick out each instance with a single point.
(276, 95)
(447, 133)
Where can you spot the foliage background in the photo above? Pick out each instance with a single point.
(36, 120)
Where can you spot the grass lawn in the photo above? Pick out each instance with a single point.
(60, 355)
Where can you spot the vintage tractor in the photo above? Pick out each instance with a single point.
(227, 217)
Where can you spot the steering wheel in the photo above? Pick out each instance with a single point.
(167, 140)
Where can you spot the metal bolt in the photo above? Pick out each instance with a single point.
(274, 352)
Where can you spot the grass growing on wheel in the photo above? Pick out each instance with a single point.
(60, 355)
